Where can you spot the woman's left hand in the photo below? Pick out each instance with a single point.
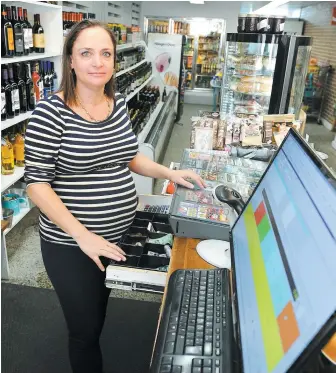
(180, 176)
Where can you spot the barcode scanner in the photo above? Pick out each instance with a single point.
(224, 194)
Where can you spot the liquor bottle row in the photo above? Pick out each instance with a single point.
(120, 32)
(126, 59)
(24, 84)
(161, 27)
(182, 28)
(71, 18)
(129, 82)
(12, 148)
(18, 37)
(140, 109)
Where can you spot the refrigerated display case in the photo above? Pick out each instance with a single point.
(264, 74)
(208, 54)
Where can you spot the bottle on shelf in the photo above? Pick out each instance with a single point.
(18, 33)
(7, 157)
(7, 35)
(36, 82)
(38, 35)
(19, 144)
(29, 32)
(65, 25)
(41, 81)
(3, 102)
(164, 94)
(15, 91)
(54, 77)
(25, 32)
(30, 93)
(22, 87)
(8, 93)
(46, 80)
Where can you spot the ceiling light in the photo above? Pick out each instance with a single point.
(199, 2)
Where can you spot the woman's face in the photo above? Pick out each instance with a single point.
(92, 57)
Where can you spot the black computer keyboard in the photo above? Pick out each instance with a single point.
(195, 333)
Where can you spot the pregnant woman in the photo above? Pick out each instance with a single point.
(79, 151)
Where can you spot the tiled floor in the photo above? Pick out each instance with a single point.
(23, 246)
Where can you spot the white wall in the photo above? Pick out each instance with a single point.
(227, 10)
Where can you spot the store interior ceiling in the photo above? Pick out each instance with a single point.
(281, 7)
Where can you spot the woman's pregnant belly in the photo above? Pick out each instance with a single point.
(104, 202)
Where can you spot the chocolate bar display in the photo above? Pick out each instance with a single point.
(195, 213)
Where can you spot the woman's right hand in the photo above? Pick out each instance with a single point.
(95, 246)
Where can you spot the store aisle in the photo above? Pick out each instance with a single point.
(180, 138)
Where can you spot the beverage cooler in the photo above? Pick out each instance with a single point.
(264, 73)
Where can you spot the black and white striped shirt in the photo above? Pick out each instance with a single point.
(86, 164)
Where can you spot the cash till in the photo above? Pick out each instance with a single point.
(146, 266)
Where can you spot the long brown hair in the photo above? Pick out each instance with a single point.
(68, 82)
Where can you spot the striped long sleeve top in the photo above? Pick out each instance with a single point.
(86, 164)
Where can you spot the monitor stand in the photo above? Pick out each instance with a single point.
(215, 252)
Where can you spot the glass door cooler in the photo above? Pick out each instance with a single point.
(264, 73)
(208, 51)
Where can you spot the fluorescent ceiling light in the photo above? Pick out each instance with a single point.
(268, 8)
(200, 2)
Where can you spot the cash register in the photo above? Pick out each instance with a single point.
(277, 307)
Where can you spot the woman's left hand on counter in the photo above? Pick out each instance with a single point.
(180, 176)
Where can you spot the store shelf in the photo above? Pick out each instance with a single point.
(34, 2)
(8, 180)
(17, 218)
(143, 134)
(131, 68)
(131, 95)
(207, 75)
(17, 119)
(29, 57)
(122, 47)
(252, 93)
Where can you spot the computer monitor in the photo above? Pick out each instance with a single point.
(284, 260)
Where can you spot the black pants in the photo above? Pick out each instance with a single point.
(79, 285)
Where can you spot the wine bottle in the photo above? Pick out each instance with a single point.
(54, 77)
(25, 31)
(8, 93)
(21, 86)
(30, 94)
(18, 33)
(164, 95)
(7, 35)
(38, 35)
(15, 91)
(41, 81)
(3, 102)
(36, 82)
(30, 31)
(46, 80)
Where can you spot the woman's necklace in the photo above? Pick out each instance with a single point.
(89, 115)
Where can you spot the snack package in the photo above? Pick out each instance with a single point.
(203, 138)
(252, 130)
(220, 142)
(229, 130)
